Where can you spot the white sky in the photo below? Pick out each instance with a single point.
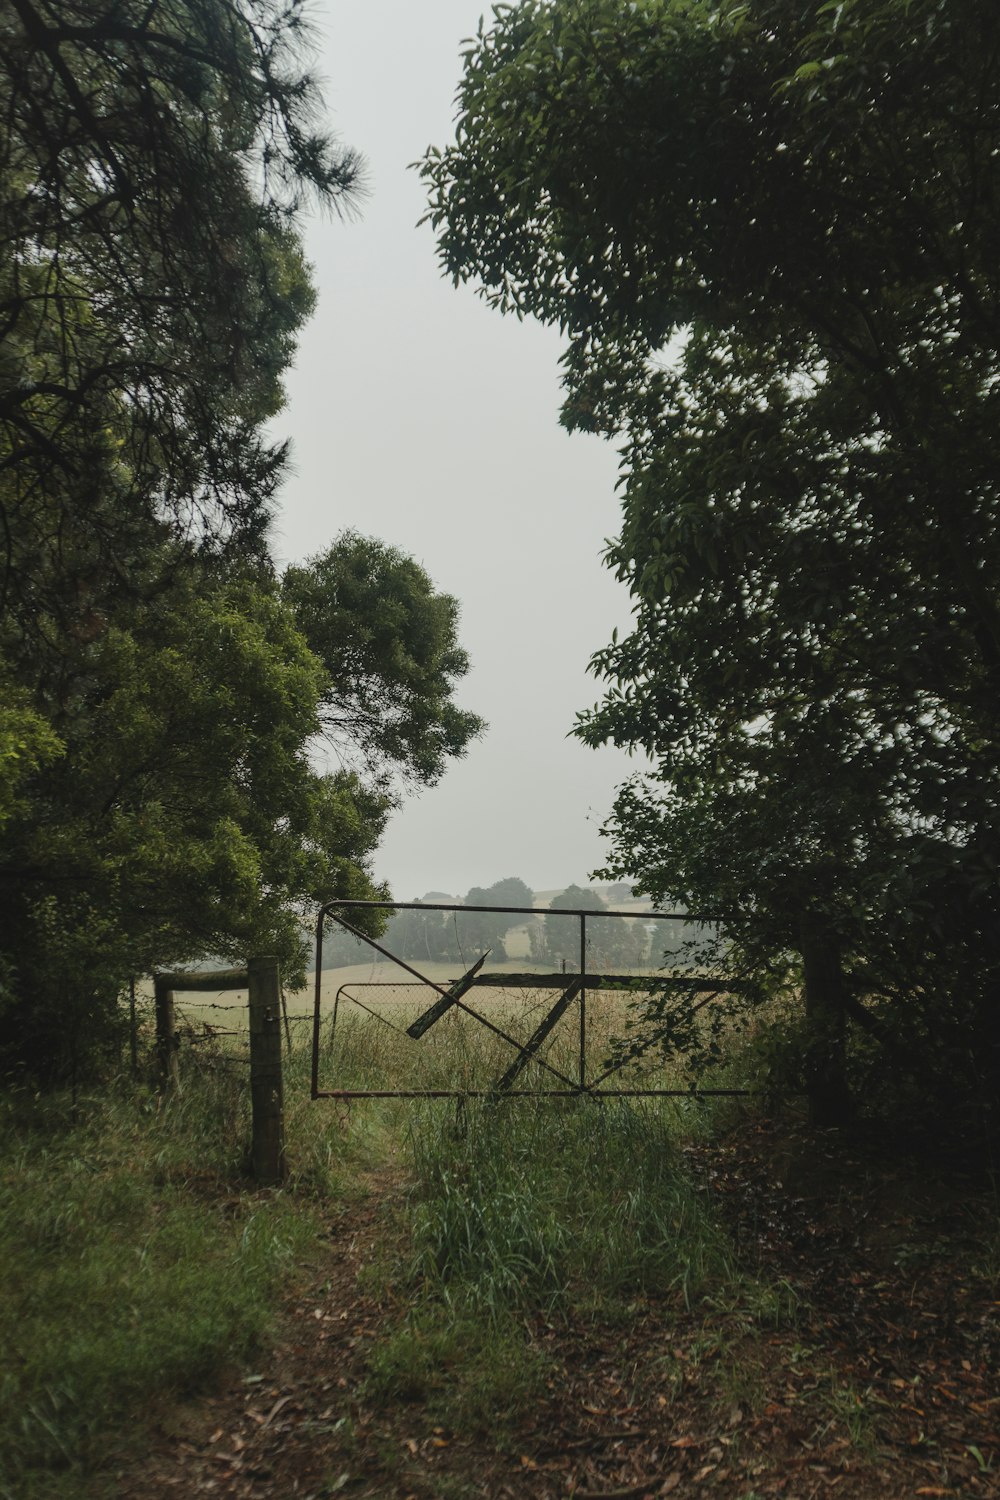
(420, 416)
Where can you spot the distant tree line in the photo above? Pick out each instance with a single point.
(614, 944)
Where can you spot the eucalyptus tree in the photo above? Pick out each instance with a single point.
(180, 810)
(389, 642)
(770, 234)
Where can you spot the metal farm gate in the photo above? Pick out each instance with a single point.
(457, 995)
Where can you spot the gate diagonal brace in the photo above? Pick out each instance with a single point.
(530, 1047)
(449, 998)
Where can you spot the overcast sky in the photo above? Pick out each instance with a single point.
(420, 416)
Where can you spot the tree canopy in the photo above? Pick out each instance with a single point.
(152, 286)
(162, 689)
(177, 812)
(479, 931)
(460, 936)
(389, 643)
(769, 231)
(614, 944)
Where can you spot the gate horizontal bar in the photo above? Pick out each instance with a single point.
(497, 979)
(211, 980)
(576, 1093)
(521, 911)
(500, 980)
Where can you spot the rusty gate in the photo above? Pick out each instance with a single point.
(573, 989)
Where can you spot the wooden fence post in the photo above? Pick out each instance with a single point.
(166, 1034)
(133, 1030)
(268, 1148)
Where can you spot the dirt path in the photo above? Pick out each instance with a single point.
(289, 1426)
(867, 1369)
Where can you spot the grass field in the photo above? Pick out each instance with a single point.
(139, 1259)
(521, 1257)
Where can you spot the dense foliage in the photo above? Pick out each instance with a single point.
(460, 937)
(390, 647)
(613, 944)
(161, 691)
(420, 933)
(769, 231)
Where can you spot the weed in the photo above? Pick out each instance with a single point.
(562, 1206)
(474, 1375)
(127, 1271)
(769, 1305)
(852, 1411)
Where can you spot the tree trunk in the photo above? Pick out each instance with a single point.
(826, 1078)
(266, 1089)
(987, 1058)
(166, 1034)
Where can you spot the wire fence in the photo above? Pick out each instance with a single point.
(220, 1024)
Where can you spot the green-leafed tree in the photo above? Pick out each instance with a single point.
(180, 812)
(421, 936)
(769, 231)
(161, 696)
(614, 944)
(480, 931)
(389, 642)
(178, 816)
(152, 163)
(558, 940)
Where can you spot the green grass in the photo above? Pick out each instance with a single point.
(519, 1208)
(138, 1260)
(560, 1206)
(457, 1052)
(472, 1375)
(136, 1263)
(527, 1208)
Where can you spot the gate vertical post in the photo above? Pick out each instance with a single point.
(166, 1035)
(266, 1090)
(317, 999)
(583, 1001)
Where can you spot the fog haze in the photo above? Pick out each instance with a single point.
(420, 416)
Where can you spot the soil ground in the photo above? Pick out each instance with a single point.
(869, 1367)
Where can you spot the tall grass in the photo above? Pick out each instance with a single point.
(366, 1051)
(556, 1205)
(535, 1208)
(135, 1260)
(518, 1207)
(138, 1259)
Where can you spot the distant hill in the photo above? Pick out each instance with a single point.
(615, 897)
